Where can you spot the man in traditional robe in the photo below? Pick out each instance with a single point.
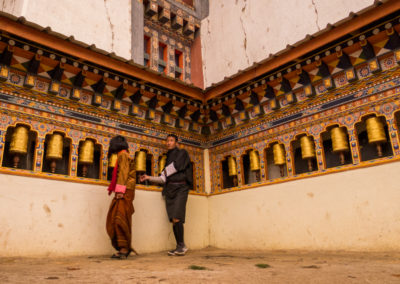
(177, 178)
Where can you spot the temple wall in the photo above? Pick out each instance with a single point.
(355, 210)
(107, 24)
(265, 27)
(41, 217)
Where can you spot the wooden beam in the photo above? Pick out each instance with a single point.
(85, 54)
(336, 33)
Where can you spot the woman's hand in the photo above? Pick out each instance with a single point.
(119, 195)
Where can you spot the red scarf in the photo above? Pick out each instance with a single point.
(113, 183)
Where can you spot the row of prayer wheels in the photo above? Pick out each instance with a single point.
(54, 151)
(279, 160)
(140, 161)
(19, 146)
(340, 145)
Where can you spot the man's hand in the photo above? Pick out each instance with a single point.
(144, 178)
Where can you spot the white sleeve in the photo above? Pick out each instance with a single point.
(169, 170)
(160, 180)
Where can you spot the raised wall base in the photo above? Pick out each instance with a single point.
(354, 210)
(40, 217)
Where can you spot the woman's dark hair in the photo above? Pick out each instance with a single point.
(117, 143)
(174, 136)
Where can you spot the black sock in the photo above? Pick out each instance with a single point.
(175, 232)
(179, 233)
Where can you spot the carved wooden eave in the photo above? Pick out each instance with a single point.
(331, 33)
(90, 53)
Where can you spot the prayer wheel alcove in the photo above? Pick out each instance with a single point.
(143, 163)
(56, 158)
(336, 146)
(251, 167)
(229, 172)
(89, 156)
(275, 157)
(373, 138)
(19, 148)
(303, 151)
(112, 161)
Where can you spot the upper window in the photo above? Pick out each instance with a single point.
(188, 2)
(146, 51)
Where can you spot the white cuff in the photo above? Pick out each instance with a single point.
(169, 170)
(160, 180)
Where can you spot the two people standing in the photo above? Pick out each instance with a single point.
(177, 180)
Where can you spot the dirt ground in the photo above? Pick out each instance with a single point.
(209, 266)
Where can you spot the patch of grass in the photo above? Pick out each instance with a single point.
(196, 267)
(263, 265)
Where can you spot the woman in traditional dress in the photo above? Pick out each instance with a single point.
(123, 182)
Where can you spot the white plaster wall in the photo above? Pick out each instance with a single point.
(11, 6)
(105, 23)
(55, 218)
(354, 210)
(238, 33)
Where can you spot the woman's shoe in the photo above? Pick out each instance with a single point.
(120, 255)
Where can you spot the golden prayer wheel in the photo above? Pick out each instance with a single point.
(254, 160)
(54, 150)
(55, 147)
(232, 166)
(112, 160)
(340, 144)
(279, 154)
(162, 162)
(307, 147)
(279, 157)
(339, 140)
(307, 150)
(375, 130)
(140, 161)
(19, 143)
(86, 154)
(19, 140)
(376, 133)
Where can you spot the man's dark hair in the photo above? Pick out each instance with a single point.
(118, 143)
(174, 136)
